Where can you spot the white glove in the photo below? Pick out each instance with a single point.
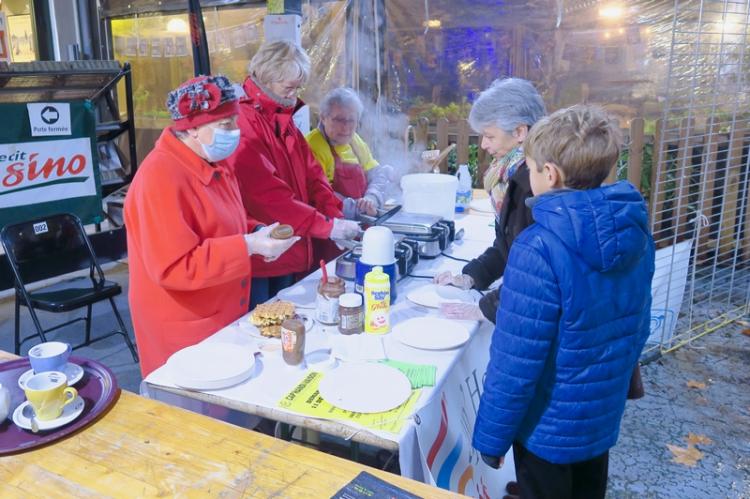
(462, 311)
(344, 229)
(446, 278)
(261, 243)
(367, 205)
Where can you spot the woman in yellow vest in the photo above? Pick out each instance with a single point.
(355, 175)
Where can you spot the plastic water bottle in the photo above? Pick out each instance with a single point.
(463, 192)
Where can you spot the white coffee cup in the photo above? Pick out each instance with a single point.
(49, 356)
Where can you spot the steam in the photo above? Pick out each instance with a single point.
(382, 125)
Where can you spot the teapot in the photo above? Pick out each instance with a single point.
(4, 403)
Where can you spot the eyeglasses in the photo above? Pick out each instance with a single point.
(344, 122)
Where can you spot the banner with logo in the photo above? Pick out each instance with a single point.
(445, 427)
(48, 162)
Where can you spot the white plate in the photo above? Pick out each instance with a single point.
(365, 387)
(69, 413)
(73, 372)
(211, 366)
(303, 294)
(431, 333)
(253, 330)
(484, 205)
(432, 295)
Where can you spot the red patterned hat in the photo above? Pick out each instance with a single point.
(202, 100)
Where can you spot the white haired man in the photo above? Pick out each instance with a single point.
(355, 175)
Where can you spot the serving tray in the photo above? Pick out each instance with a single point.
(98, 388)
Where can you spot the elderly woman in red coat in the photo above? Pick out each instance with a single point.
(279, 177)
(188, 243)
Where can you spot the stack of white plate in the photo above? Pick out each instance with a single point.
(211, 366)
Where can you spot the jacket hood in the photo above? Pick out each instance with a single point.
(607, 226)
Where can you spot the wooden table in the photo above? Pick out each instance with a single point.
(142, 447)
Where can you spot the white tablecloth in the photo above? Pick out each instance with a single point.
(273, 378)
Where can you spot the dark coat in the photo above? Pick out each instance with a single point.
(514, 217)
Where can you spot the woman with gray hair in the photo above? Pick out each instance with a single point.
(503, 114)
(355, 175)
(279, 178)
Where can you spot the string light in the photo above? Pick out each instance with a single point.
(177, 25)
(611, 11)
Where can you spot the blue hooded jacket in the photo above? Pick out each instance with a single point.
(573, 318)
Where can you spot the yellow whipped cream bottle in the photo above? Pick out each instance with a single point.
(377, 290)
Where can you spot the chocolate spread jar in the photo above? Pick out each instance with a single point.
(327, 302)
(293, 341)
(351, 314)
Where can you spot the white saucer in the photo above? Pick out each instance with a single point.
(73, 372)
(70, 412)
(432, 295)
(431, 333)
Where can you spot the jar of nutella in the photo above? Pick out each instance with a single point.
(327, 302)
(293, 341)
(351, 315)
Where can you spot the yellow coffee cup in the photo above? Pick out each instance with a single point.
(48, 393)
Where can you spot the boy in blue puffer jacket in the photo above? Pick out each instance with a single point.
(574, 313)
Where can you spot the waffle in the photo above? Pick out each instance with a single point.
(272, 314)
(282, 232)
(270, 331)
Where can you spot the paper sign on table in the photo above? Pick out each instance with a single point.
(305, 399)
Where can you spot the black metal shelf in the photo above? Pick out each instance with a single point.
(93, 80)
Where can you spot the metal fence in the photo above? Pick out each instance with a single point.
(699, 183)
(692, 168)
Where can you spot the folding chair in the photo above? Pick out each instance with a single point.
(54, 246)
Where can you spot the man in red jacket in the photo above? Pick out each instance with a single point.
(278, 175)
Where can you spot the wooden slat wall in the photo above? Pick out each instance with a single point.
(657, 186)
(684, 168)
(707, 236)
(684, 140)
(635, 158)
(462, 142)
(728, 231)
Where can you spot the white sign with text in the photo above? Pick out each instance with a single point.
(38, 172)
(49, 118)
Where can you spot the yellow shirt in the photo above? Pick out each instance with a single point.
(355, 152)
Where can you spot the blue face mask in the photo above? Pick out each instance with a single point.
(224, 144)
